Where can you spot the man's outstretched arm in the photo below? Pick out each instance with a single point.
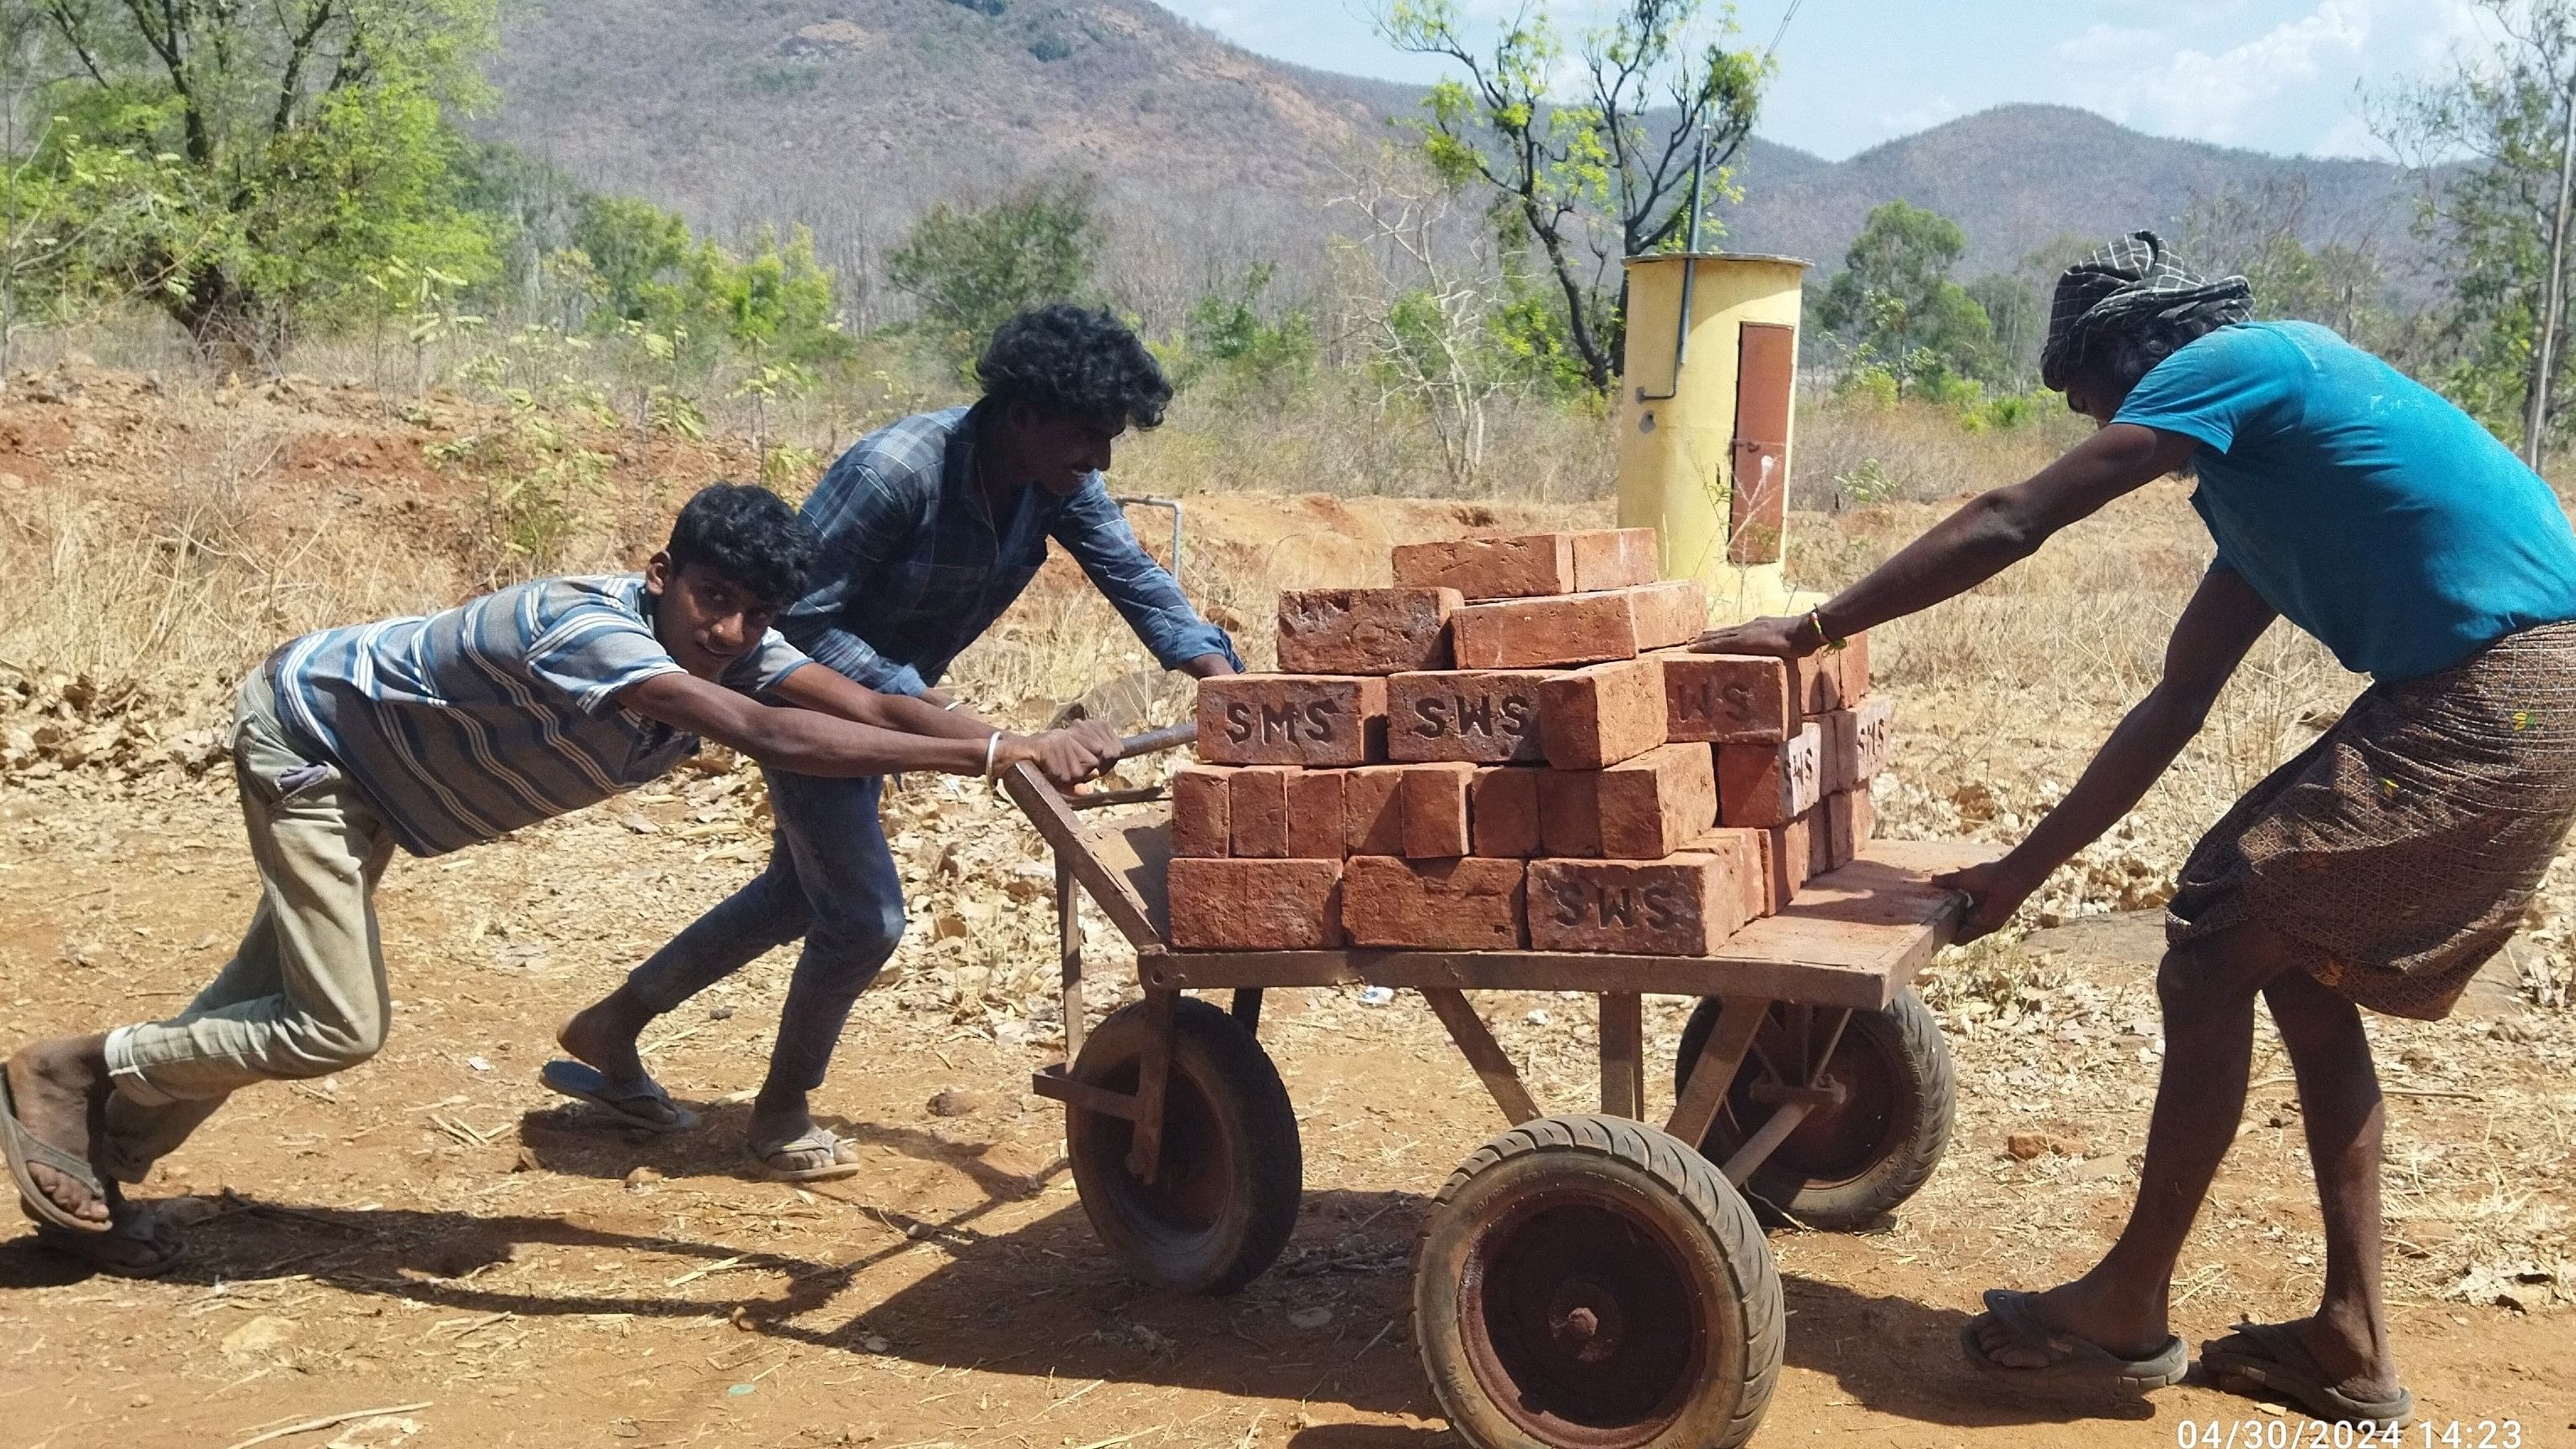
(1990, 533)
(2222, 621)
(1097, 535)
(810, 742)
(1065, 755)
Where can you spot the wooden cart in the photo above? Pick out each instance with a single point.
(1583, 1279)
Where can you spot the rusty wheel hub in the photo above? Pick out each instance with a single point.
(1581, 1319)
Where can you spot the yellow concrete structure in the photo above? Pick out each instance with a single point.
(1705, 420)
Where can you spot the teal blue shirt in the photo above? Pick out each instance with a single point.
(2361, 505)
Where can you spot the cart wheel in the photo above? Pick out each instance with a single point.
(1589, 1281)
(1224, 1197)
(1859, 1157)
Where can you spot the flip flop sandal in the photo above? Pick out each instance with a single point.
(25, 1149)
(763, 1160)
(2071, 1360)
(2271, 1356)
(113, 1252)
(584, 1082)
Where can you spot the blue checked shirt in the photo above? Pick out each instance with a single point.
(914, 568)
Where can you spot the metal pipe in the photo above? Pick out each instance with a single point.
(1690, 277)
(1175, 507)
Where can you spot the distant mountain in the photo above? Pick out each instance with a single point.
(853, 116)
(2017, 177)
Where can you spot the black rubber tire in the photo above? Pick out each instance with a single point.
(1225, 1197)
(1897, 1062)
(1538, 1219)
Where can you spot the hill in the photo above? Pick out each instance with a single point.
(854, 115)
(2016, 177)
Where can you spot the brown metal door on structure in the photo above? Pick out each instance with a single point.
(1765, 371)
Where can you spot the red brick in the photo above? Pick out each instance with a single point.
(1768, 784)
(1686, 905)
(1874, 725)
(1537, 633)
(1471, 904)
(1652, 805)
(1364, 631)
(1596, 717)
(1199, 810)
(1790, 856)
(1434, 805)
(1256, 905)
(1751, 851)
(1817, 681)
(1851, 668)
(1490, 568)
(1257, 812)
(1820, 843)
(1373, 810)
(1315, 814)
(1569, 811)
(1502, 811)
(1667, 614)
(1615, 558)
(1727, 699)
(1838, 757)
(1851, 821)
(1291, 719)
(1487, 716)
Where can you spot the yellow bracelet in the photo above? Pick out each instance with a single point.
(1825, 641)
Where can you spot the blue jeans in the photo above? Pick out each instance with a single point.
(830, 880)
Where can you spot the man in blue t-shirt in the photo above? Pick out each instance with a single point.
(2379, 869)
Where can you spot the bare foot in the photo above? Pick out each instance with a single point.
(2078, 1310)
(603, 1035)
(57, 1086)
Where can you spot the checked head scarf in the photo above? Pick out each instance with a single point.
(2132, 281)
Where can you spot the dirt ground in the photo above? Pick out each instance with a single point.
(435, 1230)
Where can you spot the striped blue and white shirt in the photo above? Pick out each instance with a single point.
(915, 567)
(500, 712)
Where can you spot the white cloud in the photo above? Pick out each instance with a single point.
(2148, 76)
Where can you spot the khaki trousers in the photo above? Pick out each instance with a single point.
(304, 994)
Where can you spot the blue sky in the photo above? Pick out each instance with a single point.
(2273, 75)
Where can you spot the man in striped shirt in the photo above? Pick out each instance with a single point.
(930, 528)
(435, 733)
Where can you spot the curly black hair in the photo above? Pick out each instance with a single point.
(749, 535)
(1067, 359)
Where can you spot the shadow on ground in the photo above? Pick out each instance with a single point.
(1045, 1299)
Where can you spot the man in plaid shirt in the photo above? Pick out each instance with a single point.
(930, 527)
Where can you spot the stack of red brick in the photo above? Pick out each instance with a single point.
(1509, 749)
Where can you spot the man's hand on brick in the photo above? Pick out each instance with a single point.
(1784, 637)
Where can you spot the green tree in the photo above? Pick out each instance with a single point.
(1895, 302)
(1229, 335)
(311, 144)
(2495, 145)
(972, 270)
(632, 250)
(1589, 178)
(2018, 316)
